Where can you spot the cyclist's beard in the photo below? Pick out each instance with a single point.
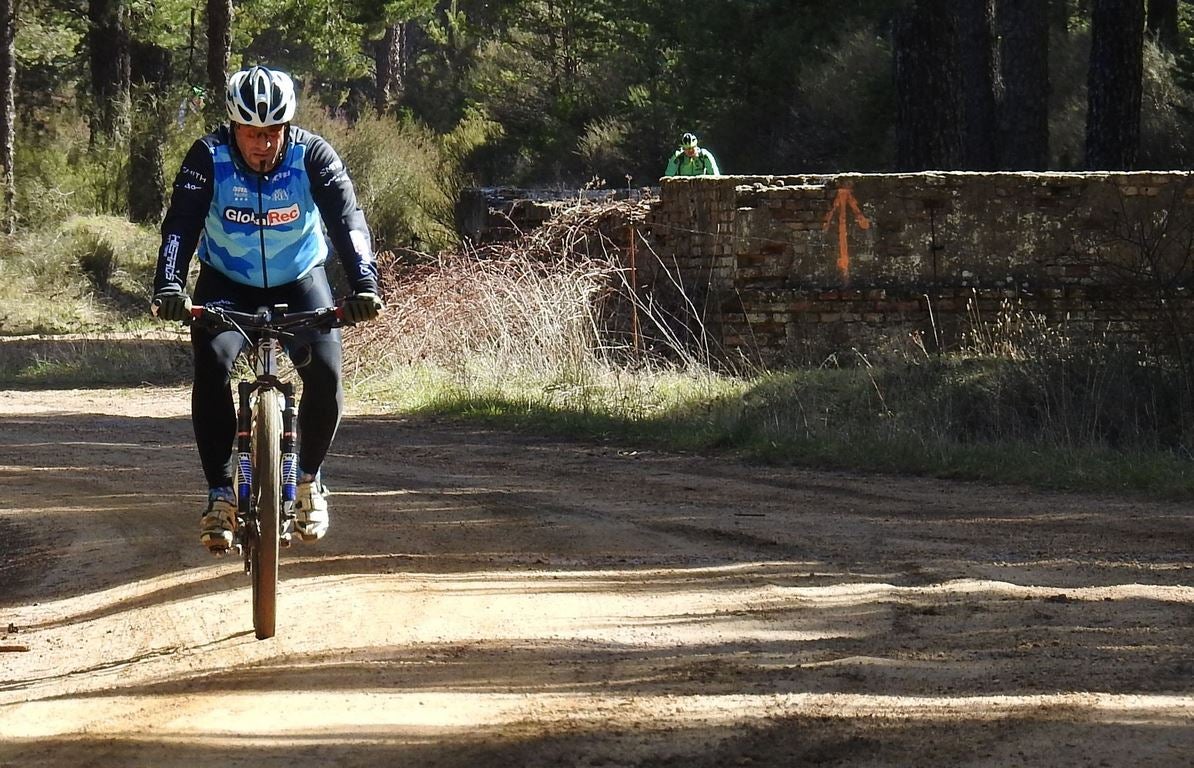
(265, 166)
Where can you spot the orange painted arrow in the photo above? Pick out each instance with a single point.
(841, 202)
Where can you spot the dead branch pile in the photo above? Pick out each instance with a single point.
(534, 297)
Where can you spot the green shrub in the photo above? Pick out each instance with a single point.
(99, 262)
(407, 178)
(602, 148)
(59, 174)
(830, 132)
(1166, 138)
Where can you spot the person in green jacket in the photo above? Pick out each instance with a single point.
(691, 159)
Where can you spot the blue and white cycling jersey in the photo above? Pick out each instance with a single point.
(263, 230)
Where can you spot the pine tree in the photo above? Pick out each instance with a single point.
(1023, 31)
(1115, 84)
(929, 118)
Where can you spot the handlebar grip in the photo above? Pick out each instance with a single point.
(197, 311)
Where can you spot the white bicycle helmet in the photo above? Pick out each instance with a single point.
(260, 97)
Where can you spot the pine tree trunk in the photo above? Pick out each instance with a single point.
(1023, 29)
(109, 56)
(977, 62)
(391, 55)
(8, 72)
(929, 118)
(219, 48)
(1114, 84)
(147, 180)
(1162, 23)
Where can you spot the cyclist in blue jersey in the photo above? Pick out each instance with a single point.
(254, 200)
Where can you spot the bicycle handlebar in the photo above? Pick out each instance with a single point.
(267, 320)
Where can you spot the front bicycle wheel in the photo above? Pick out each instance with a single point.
(267, 489)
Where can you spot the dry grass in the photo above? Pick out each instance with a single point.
(534, 332)
(544, 304)
(86, 273)
(543, 323)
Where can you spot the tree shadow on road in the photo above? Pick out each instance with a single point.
(895, 597)
(1058, 740)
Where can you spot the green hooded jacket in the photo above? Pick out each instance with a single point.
(701, 164)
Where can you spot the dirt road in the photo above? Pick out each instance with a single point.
(492, 600)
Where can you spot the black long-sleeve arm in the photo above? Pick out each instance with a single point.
(337, 202)
(185, 217)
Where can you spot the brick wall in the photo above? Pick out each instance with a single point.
(792, 269)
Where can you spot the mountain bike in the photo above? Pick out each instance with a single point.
(266, 473)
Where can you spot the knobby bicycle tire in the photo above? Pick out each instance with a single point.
(267, 489)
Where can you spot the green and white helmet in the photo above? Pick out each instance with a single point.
(260, 97)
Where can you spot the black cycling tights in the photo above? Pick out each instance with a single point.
(316, 357)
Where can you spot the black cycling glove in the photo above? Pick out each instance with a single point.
(361, 307)
(173, 306)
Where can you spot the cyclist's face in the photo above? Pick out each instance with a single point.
(260, 147)
(690, 151)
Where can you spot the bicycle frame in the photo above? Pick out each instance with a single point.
(265, 447)
(263, 356)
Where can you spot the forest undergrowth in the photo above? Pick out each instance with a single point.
(547, 333)
(551, 331)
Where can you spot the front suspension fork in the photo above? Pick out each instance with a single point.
(244, 453)
(290, 470)
(244, 448)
